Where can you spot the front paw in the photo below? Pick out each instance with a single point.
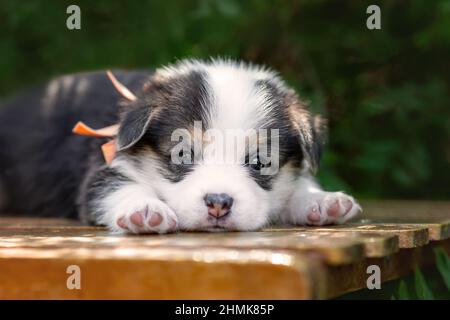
(323, 208)
(153, 216)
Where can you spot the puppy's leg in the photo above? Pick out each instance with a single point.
(310, 205)
(112, 199)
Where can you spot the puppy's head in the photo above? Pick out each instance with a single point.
(221, 143)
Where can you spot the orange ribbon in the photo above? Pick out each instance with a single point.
(108, 148)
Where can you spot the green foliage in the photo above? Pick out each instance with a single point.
(443, 265)
(421, 288)
(423, 292)
(403, 291)
(385, 91)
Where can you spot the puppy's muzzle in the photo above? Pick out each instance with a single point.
(219, 204)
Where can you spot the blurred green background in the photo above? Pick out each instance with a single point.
(385, 92)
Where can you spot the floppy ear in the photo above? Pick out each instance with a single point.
(312, 130)
(133, 126)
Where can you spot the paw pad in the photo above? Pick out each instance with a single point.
(332, 208)
(153, 218)
(314, 214)
(137, 219)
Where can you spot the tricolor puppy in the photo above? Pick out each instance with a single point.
(213, 145)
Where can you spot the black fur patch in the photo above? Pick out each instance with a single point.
(97, 185)
(289, 148)
(42, 163)
(172, 104)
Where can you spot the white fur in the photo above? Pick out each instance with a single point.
(309, 197)
(134, 198)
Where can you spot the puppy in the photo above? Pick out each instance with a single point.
(215, 145)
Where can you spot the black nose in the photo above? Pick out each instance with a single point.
(219, 204)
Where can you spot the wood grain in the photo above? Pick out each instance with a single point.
(277, 262)
(334, 249)
(139, 273)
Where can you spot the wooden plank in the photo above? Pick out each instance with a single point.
(302, 262)
(9, 221)
(159, 273)
(409, 236)
(375, 244)
(438, 228)
(142, 273)
(333, 248)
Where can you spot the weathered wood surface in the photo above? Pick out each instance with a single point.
(279, 263)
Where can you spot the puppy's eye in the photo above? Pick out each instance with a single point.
(256, 164)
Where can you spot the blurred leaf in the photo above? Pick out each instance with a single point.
(443, 265)
(228, 8)
(403, 293)
(422, 290)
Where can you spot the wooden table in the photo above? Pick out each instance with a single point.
(276, 263)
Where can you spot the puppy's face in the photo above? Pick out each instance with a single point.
(222, 144)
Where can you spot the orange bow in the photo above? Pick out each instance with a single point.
(108, 148)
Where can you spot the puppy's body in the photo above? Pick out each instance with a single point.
(46, 170)
(42, 163)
